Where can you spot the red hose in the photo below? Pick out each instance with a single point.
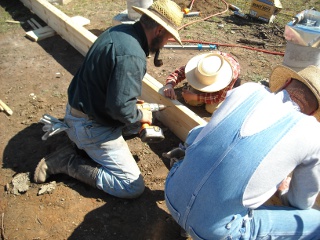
(203, 19)
(191, 4)
(232, 45)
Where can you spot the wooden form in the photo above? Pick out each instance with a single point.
(40, 33)
(77, 36)
(177, 117)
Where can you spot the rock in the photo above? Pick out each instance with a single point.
(21, 183)
(47, 188)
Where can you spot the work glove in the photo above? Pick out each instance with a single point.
(52, 126)
(175, 155)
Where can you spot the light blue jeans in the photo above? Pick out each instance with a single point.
(119, 174)
(204, 191)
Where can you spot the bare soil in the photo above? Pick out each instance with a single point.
(34, 77)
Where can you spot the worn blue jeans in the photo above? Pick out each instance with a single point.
(119, 174)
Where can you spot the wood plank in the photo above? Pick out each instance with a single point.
(62, 24)
(36, 23)
(5, 108)
(40, 33)
(34, 27)
(45, 32)
(177, 117)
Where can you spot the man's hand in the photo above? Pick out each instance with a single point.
(284, 186)
(169, 92)
(146, 116)
(188, 96)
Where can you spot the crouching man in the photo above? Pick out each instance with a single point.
(236, 162)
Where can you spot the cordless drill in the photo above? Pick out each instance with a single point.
(148, 133)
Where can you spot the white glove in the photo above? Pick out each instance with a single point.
(52, 126)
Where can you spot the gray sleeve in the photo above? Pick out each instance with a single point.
(305, 184)
(298, 154)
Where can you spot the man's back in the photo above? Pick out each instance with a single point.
(111, 76)
(253, 141)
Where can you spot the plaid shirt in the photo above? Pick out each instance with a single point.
(215, 97)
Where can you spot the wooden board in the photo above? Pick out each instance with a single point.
(44, 32)
(177, 117)
(77, 36)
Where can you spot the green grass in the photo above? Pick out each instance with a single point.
(4, 26)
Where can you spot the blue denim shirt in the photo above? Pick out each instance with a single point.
(110, 79)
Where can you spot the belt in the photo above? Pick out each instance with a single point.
(78, 114)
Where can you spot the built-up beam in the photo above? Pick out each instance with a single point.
(177, 117)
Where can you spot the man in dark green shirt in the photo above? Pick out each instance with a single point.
(102, 101)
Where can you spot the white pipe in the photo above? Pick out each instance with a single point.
(192, 47)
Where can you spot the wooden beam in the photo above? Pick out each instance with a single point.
(77, 36)
(40, 33)
(177, 117)
(45, 32)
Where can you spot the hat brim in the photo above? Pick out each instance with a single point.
(281, 74)
(164, 24)
(220, 83)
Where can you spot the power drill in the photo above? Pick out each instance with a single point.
(148, 133)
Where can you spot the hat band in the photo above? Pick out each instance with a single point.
(155, 12)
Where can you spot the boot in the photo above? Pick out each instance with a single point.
(67, 161)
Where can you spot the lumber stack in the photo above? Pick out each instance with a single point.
(39, 33)
(76, 35)
(177, 117)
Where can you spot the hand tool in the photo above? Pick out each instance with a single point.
(192, 14)
(233, 7)
(149, 133)
(237, 11)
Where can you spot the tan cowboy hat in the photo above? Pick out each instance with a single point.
(209, 72)
(310, 76)
(167, 13)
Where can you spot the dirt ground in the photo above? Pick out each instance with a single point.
(34, 77)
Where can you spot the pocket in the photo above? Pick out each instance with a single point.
(97, 133)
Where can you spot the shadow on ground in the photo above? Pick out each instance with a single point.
(122, 219)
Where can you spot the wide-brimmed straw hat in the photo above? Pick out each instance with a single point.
(310, 76)
(209, 72)
(167, 13)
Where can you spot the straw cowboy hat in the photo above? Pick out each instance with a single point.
(310, 76)
(209, 72)
(167, 13)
